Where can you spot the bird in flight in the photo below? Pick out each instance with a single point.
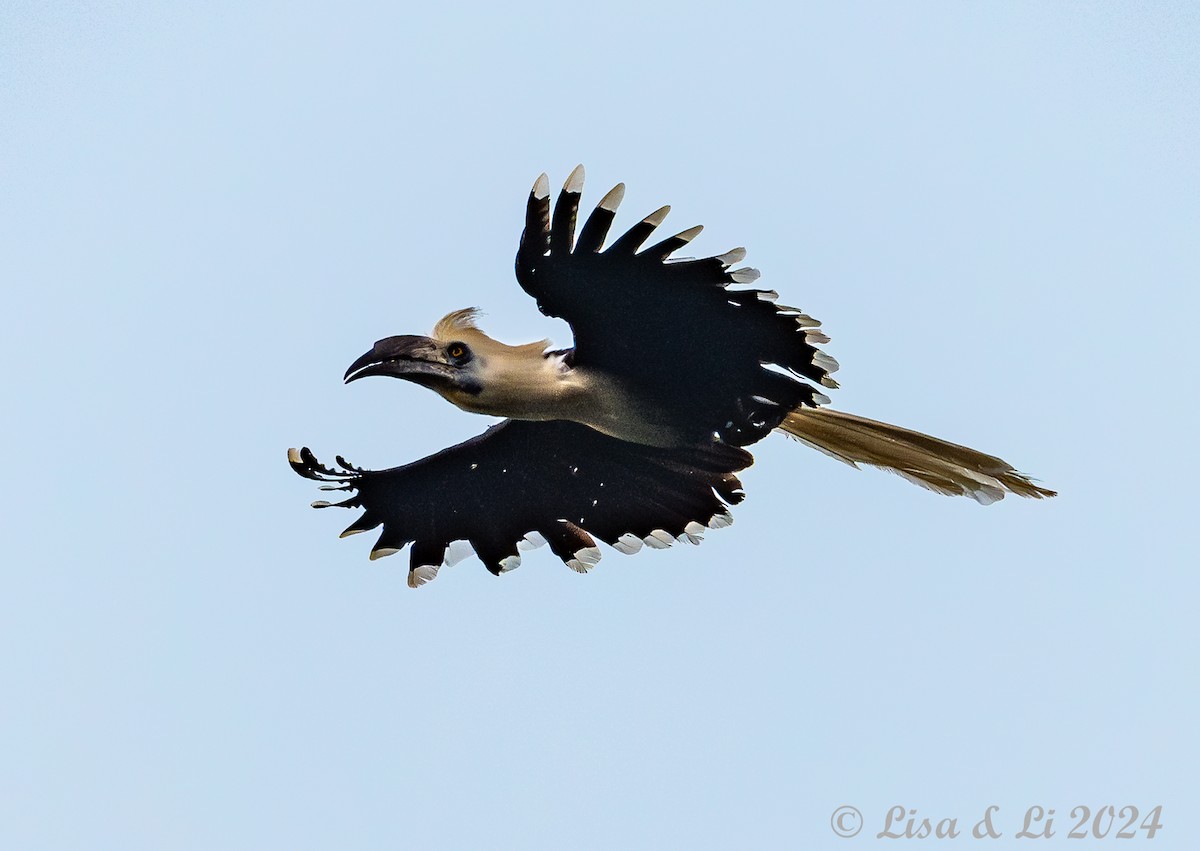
(636, 434)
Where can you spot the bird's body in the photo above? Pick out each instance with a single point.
(634, 435)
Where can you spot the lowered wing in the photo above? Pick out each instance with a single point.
(525, 481)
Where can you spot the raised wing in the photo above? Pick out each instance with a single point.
(524, 481)
(676, 330)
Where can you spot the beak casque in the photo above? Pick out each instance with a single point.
(406, 356)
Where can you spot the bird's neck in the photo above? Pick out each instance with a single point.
(545, 387)
(525, 386)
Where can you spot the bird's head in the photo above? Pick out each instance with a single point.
(458, 361)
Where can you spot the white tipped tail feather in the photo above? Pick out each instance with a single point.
(943, 467)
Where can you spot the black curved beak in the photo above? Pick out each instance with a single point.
(405, 356)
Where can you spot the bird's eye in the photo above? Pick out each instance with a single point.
(458, 353)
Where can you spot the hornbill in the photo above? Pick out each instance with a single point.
(636, 434)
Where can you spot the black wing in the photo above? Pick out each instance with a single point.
(672, 329)
(520, 480)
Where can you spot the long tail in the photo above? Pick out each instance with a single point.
(946, 468)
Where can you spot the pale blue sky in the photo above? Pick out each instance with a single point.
(209, 210)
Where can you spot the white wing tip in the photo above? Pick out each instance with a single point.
(421, 574)
(628, 544)
(531, 541)
(826, 362)
(456, 552)
(574, 182)
(613, 198)
(584, 560)
(588, 555)
(693, 533)
(658, 216)
(721, 520)
(733, 255)
(541, 186)
(659, 539)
